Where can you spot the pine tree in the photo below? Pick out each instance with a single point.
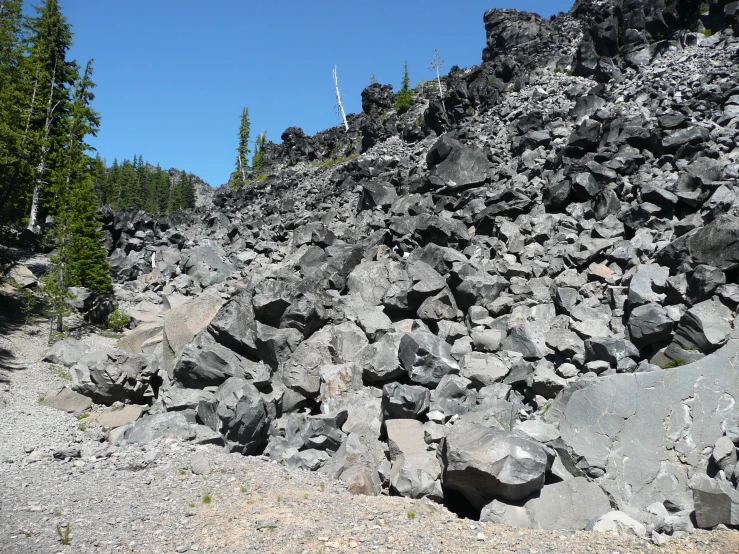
(188, 191)
(48, 94)
(78, 232)
(242, 152)
(162, 190)
(405, 96)
(15, 167)
(257, 161)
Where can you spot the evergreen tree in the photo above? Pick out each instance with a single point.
(112, 196)
(161, 187)
(77, 213)
(175, 196)
(48, 95)
(257, 162)
(405, 96)
(188, 191)
(242, 152)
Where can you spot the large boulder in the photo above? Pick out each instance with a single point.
(484, 464)
(237, 411)
(457, 166)
(716, 244)
(117, 376)
(628, 429)
(426, 358)
(66, 352)
(415, 472)
(705, 326)
(205, 265)
(160, 426)
(182, 323)
(509, 31)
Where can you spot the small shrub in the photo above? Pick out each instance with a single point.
(557, 70)
(411, 514)
(571, 72)
(708, 33)
(57, 512)
(82, 416)
(677, 362)
(336, 161)
(322, 486)
(191, 504)
(28, 305)
(65, 536)
(279, 498)
(117, 321)
(244, 489)
(82, 427)
(705, 10)
(207, 499)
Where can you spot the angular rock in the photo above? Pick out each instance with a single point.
(66, 352)
(715, 501)
(705, 326)
(426, 358)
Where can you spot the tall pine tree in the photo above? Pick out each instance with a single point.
(242, 151)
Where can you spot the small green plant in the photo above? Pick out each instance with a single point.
(405, 96)
(279, 498)
(305, 496)
(288, 477)
(708, 33)
(557, 70)
(117, 321)
(63, 373)
(65, 536)
(661, 36)
(191, 504)
(82, 427)
(207, 499)
(41, 399)
(57, 512)
(183, 472)
(411, 514)
(705, 10)
(244, 489)
(28, 305)
(571, 72)
(82, 416)
(336, 161)
(677, 362)
(322, 486)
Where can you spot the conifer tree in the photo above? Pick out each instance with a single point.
(405, 96)
(257, 162)
(242, 152)
(48, 94)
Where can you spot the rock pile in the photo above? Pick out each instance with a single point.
(518, 300)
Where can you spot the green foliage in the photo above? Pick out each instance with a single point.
(117, 321)
(708, 33)
(677, 362)
(411, 514)
(571, 72)
(336, 161)
(28, 305)
(405, 96)
(207, 499)
(257, 162)
(65, 536)
(557, 70)
(242, 151)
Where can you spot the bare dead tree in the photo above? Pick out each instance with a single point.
(339, 105)
(436, 65)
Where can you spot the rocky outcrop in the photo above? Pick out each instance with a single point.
(519, 297)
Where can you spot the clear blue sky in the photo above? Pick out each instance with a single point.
(173, 75)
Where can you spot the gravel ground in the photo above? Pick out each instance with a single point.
(146, 499)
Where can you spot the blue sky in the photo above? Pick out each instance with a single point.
(173, 75)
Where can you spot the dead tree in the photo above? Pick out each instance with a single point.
(339, 105)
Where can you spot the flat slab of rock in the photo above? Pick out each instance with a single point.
(66, 400)
(66, 352)
(628, 428)
(113, 418)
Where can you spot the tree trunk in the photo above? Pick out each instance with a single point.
(44, 151)
(338, 99)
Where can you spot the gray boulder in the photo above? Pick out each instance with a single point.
(118, 376)
(705, 326)
(237, 411)
(715, 501)
(426, 358)
(650, 324)
(415, 471)
(160, 426)
(483, 464)
(608, 432)
(66, 352)
(205, 265)
(456, 165)
(716, 244)
(570, 504)
(404, 401)
(380, 361)
(648, 285)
